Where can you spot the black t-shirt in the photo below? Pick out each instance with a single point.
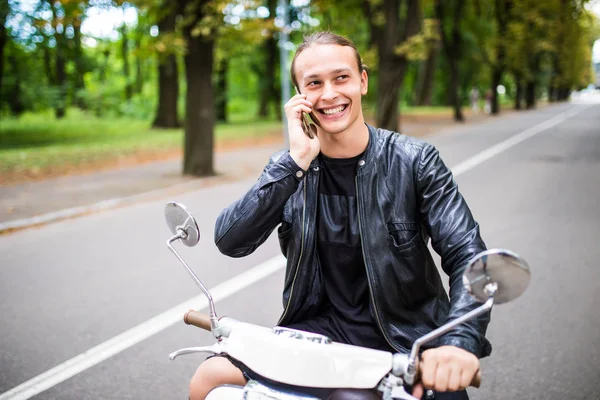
(345, 315)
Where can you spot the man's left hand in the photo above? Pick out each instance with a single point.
(446, 369)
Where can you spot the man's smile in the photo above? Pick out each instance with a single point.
(333, 111)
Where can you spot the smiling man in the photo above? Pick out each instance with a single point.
(356, 207)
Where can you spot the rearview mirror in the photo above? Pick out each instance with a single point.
(181, 221)
(497, 272)
(493, 276)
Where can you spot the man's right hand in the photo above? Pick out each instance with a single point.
(302, 148)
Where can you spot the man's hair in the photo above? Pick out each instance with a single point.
(325, 37)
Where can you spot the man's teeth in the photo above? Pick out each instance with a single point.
(332, 111)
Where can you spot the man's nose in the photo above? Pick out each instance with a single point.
(329, 92)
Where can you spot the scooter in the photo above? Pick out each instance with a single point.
(307, 360)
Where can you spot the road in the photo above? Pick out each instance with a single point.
(69, 289)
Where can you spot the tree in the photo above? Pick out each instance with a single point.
(198, 31)
(125, 56)
(168, 76)
(221, 89)
(502, 16)
(571, 49)
(80, 64)
(427, 68)
(452, 46)
(4, 10)
(269, 92)
(389, 32)
(426, 75)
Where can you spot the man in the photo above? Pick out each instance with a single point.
(356, 207)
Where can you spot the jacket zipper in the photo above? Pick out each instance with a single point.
(287, 306)
(362, 247)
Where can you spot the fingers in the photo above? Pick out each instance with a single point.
(442, 377)
(428, 371)
(448, 369)
(455, 380)
(296, 105)
(303, 141)
(418, 391)
(299, 109)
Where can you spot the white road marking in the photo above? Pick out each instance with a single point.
(493, 151)
(143, 331)
(154, 325)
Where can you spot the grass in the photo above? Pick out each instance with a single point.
(37, 145)
(36, 142)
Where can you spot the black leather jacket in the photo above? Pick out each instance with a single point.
(406, 195)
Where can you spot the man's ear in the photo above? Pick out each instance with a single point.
(364, 82)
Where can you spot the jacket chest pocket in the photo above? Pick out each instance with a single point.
(410, 267)
(402, 235)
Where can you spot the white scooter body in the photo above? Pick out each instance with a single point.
(307, 363)
(303, 359)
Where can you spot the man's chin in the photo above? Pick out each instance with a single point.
(333, 127)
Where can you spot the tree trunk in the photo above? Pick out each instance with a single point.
(104, 66)
(16, 102)
(552, 93)
(531, 84)
(61, 76)
(139, 76)
(221, 95)
(427, 75)
(199, 107)
(168, 94)
(503, 13)
(268, 90)
(519, 92)
(4, 9)
(392, 67)
(390, 79)
(168, 82)
(125, 55)
(79, 68)
(530, 95)
(563, 93)
(454, 94)
(268, 87)
(452, 48)
(496, 77)
(50, 75)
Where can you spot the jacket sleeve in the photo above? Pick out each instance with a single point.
(455, 237)
(247, 223)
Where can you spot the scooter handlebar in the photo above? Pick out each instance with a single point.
(476, 382)
(195, 318)
(200, 320)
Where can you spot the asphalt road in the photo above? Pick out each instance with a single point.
(70, 286)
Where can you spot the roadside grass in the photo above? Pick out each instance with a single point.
(37, 145)
(37, 142)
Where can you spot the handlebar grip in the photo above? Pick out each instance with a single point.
(195, 318)
(476, 382)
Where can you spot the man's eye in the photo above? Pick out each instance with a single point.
(313, 83)
(342, 77)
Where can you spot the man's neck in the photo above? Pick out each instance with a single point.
(349, 143)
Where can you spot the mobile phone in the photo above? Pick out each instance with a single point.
(309, 128)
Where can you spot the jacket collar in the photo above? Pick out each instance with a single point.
(367, 155)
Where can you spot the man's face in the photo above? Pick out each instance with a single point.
(329, 76)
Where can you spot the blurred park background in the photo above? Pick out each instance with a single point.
(85, 84)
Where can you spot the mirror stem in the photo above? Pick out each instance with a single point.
(214, 322)
(411, 368)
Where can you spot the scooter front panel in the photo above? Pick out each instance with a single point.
(304, 362)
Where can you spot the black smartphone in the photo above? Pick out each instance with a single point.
(308, 127)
